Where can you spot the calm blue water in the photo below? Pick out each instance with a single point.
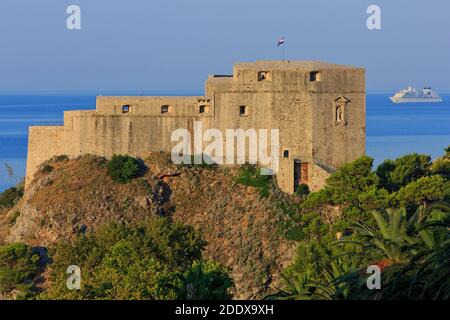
(19, 112)
(396, 129)
(392, 130)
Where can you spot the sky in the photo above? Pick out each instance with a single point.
(173, 45)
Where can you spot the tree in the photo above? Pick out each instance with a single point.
(447, 153)
(353, 187)
(413, 254)
(425, 274)
(389, 238)
(125, 274)
(396, 174)
(351, 180)
(398, 219)
(422, 191)
(442, 165)
(156, 259)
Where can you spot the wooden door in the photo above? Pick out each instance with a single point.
(301, 173)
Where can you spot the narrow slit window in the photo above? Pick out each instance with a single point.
(243, 111)
(286, 154)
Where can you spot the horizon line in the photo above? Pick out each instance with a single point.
(147, 92)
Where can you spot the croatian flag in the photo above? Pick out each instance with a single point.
(280, 42)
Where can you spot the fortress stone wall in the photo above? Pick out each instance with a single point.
(319, 109)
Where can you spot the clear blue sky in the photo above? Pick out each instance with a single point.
(175, 44)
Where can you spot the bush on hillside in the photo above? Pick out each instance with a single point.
(11, 196)
(45, 168)
(205, 280)
(18, 267)
(250, 175)
(151, 260)
(302, 190)
(122, 168)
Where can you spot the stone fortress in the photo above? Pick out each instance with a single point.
(319, 109)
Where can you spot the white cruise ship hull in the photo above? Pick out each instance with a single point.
(414, 100)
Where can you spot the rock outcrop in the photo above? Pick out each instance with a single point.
(241, 227)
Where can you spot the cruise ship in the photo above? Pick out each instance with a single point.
(410, 94)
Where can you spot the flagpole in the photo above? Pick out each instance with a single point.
(281, 43)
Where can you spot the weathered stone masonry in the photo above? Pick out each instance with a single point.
(319, 109)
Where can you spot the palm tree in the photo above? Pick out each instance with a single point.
(388, 238)
(414, 252)
(297, 288)
(310, 286)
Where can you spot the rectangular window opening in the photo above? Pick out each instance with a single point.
(203, 109)
(243, 111)
(263, 75)
(315, 76)
(126, 108)
(166, 109)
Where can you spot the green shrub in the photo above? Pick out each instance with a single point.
(302, 190)
(10, 197)
(122, 169)
(45, 168)
(249, 175)
(205, 280)
(18, 267)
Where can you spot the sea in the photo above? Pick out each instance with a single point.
(392, 129)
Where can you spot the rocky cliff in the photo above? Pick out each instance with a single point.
(242, 228)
